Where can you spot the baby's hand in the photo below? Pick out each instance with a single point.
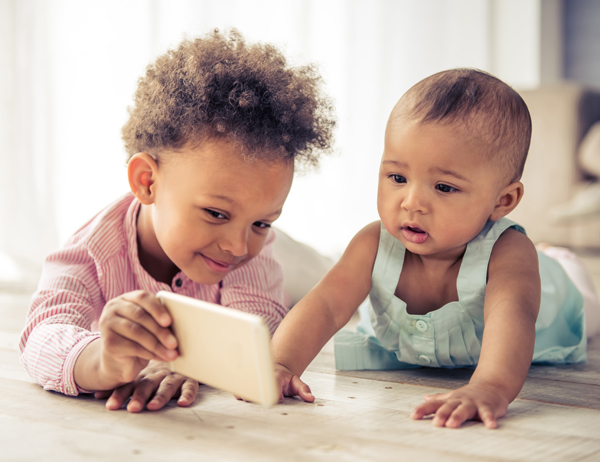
(452, 409)
(134, 330)
(153, 388)
(291, 385)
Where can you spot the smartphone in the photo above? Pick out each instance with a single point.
(222, 347)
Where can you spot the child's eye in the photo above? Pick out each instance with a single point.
(262, 225)
(216, 214)
(445, 188)
(398, 179)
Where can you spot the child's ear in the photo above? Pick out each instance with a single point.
(142, 170)
(510, 197)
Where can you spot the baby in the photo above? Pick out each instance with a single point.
(451, 281)
(212, 140)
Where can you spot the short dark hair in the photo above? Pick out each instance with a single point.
(490, 109)
(218, 86)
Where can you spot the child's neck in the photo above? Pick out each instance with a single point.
(151, 256)
(428, 282)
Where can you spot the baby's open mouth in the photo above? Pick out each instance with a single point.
(414, 234)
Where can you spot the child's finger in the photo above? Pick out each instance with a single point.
(166, 389)
(138, 341)
(142, 392)
(443, 413)
(464, 412)
(119, 396)
(487, 416)
(151, 304)
(119, 346)
(426, 408)
(301, 389)
(138, 315)
(103, 394)
(189, 391)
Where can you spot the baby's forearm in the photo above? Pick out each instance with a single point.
(507, 350)
(302, 334)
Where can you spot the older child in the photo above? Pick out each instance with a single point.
(212, 139)
(452, 282)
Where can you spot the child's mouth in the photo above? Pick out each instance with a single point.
(414, 234)
(219, 267)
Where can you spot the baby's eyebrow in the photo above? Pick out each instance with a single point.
(451, 173)
(223, 198)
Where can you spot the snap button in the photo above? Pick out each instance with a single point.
(424, 360)
(421, 325)
(178, 282)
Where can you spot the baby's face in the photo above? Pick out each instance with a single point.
(213, 209)
(436, 190)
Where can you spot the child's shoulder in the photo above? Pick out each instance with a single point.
(365, 243)
(105, 233)
(513, 248)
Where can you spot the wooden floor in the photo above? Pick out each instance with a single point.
(357, 416)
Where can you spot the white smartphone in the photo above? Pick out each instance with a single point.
(222, 347)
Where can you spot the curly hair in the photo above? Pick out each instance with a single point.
(218, 86)
(483, 104)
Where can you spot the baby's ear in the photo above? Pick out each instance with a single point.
(510, 197)
(141, 172)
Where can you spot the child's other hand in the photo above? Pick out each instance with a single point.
(291, 385)
(153, 388)
(452, 409)
(134, 330)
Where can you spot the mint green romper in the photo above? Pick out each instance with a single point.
(390, 338)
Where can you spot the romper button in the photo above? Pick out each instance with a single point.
(421, 326)
(178, 282)
(424, 360)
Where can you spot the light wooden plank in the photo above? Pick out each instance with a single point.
(350, 421)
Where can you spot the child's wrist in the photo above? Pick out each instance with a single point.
(498, 388)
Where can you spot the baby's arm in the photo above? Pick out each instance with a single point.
(512, 301)
(324, 311)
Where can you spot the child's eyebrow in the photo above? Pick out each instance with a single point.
(223, 198)
(233, 202)
(450, 172)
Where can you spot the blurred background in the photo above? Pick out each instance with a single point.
(68, 70)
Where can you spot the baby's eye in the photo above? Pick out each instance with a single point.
(445, 188)
(261, 225)
(216, 214)
(398, 178)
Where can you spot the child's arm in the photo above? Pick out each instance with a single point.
(133, 331)
(324, 311)
(59, 331)
(512, 301)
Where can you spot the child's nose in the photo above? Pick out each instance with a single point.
(414, 200)
(235, 242)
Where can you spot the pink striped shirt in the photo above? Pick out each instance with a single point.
(100, 262)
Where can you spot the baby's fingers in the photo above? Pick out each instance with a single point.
(298, 387)
(462, 413)
(426, 408)
(487, 416)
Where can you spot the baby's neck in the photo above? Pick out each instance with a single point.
(428, 282)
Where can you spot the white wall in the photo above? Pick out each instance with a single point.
(74, 66)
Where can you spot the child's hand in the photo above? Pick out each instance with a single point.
(452, 409)
(134, 330)
(153, 388)
(291, 385)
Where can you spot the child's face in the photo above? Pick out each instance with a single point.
(436, 189)
(211, 209)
